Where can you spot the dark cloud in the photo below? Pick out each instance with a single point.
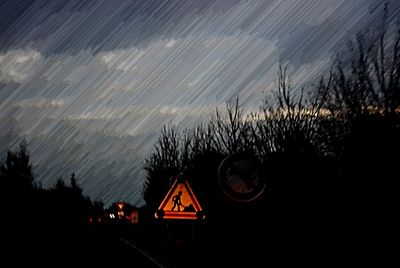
(59, 26)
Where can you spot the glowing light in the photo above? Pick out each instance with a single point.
(180, 203)
(120, 214)
(120, 205)
(134, 217)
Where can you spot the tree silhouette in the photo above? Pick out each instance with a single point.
(330, 152)
(66, 203)
(232, 130)
(28, 207)
(161, 165)
(16, 171)
(362, 125)
(17, 191)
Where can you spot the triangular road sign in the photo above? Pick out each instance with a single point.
(180, 203)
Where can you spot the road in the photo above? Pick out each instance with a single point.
(80, 248)
(101, 246)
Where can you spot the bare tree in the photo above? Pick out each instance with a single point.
(366, 81)
(231, 130)
(164, 162)
(291, 123)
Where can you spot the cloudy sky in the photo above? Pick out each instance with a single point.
(89, 84)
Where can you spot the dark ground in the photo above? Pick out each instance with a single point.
(84, 246)
(319, 242)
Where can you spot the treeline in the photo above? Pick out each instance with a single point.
(329, 152)
(25, 206)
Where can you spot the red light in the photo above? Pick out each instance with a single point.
(120, 205)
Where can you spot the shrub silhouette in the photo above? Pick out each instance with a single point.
(327, 155)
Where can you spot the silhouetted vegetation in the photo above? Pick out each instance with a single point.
(26, 207)
(329, 156)
(17, 189)
(361, 128)
(16, 171)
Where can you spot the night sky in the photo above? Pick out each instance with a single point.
(89, 84)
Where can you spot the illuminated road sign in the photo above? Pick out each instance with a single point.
(180, 203)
